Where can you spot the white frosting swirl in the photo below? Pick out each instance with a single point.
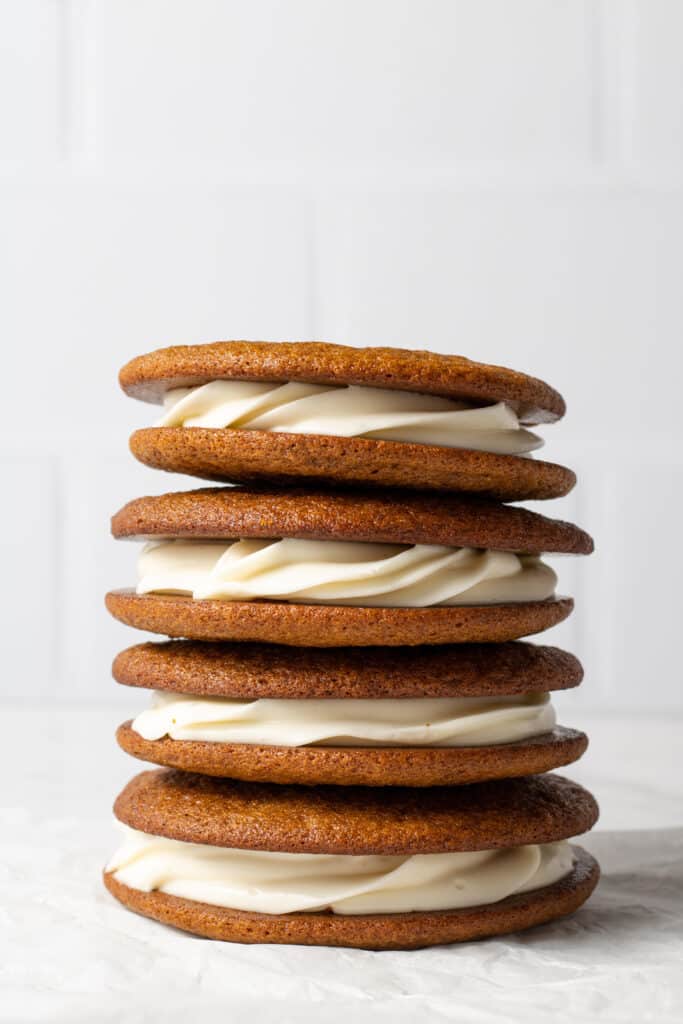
(342, 573)
(419, 722)
(376, 413)
(282, 883)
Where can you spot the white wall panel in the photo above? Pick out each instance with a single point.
(31, 80)
(522, 80)
(344, 84)
(98, 273)
(543, 229)
(580, 289)
(657, 90)
(646, 566)
(32, 577)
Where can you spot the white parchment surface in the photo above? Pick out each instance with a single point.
(69, 952)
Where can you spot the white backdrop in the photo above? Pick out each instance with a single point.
(501, 179)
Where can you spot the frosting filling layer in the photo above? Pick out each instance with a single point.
(408, 722)
(374, 413)
(282, 883)
(342, 573)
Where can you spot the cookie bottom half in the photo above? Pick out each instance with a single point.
(308, 625)
(369, 931)
(360, 766)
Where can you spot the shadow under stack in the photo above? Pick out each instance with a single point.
(358, 748)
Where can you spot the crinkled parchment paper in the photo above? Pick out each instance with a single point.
(69, 952)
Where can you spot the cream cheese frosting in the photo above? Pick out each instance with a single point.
(283, 883)
(419, 722)
(342, 573)
(374, 413)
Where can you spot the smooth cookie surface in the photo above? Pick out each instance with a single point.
(360, 766)
(307, 625)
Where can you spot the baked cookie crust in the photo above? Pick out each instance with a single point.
(307, 625)
(355, 819)
(244, 670)
(394, 518)
(256, 456)
(149, 376)
(360, 766)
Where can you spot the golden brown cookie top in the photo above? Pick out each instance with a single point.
(355, 820)
(250, 671)
(390, 517)
(316, 362)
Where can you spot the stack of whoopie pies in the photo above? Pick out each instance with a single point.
(353, 733)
